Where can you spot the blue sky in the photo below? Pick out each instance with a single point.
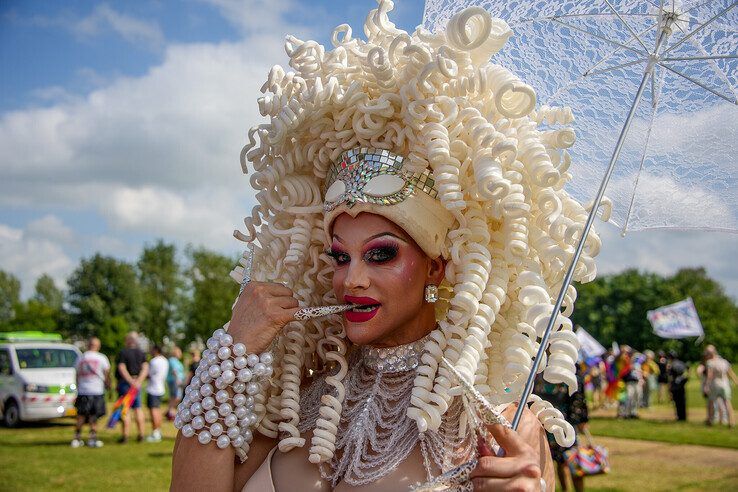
(122, 122)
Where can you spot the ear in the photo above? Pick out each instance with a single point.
(436, 271)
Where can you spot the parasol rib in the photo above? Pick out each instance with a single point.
(696, 82)
(610, 69)
(721, 75)
(584, 75)
(711, 63)
(627, 26)
(698, 6)
(610, 55)
(708, 57)
(603, 38)
(654, 107)
(570, 16)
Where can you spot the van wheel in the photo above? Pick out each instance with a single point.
(11, 414)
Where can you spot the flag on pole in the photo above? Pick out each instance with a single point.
(678, 320)
(589, 346)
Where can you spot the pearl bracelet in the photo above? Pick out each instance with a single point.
(212, 412)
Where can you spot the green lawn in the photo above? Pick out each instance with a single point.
(39, 457)
(665, 431)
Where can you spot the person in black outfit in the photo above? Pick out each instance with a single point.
(677, 381)
(132, 370)
(194, 362)
(574, 409)
(663, 380)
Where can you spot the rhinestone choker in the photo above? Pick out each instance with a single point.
(394, 359)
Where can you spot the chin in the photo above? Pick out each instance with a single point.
(361, 333)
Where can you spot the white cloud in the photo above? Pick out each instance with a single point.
(665, 252)
(662, 202)
(205, 217)
(50, 227)
(133, 30)
(179, 126)
(27, 255)
(252, 17)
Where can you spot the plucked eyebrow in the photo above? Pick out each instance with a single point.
(381, 234)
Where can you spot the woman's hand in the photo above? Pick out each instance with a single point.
(519, 469)
(261, 311)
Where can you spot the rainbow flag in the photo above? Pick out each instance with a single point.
(121, 406)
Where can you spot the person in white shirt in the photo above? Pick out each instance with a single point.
(93, 376)
(158, 369)
(719, 375)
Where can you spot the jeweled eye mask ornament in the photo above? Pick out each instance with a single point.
(375, 176)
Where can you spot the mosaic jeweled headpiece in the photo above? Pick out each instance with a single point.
(365, 175)
(378, 181)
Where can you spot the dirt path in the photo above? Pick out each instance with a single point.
(658, 412)
(655, 466)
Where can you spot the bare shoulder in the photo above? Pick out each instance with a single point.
(259, 450)
(293, 471)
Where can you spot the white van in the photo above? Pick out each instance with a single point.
(37, 377)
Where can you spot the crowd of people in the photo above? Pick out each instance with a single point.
(159, 374)
(628, 380)
(631, 380)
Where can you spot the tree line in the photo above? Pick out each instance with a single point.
(164, 298)
(157, 295)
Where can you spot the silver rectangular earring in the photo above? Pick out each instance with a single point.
(431, 293)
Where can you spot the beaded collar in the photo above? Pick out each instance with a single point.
(394, 359)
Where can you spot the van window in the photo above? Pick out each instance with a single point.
(45, 358)
(5, 367)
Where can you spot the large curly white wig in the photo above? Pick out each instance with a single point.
(500, 165)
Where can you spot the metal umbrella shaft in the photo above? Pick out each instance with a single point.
(664, 32)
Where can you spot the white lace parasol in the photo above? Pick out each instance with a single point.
(678, 167)
(652, 87)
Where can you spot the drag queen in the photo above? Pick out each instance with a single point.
(412, 186)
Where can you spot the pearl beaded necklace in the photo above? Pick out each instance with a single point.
(212, 412)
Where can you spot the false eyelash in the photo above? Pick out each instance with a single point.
(334, 254)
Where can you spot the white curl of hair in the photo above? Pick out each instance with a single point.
(500, 166)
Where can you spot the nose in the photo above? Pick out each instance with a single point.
(357, 276)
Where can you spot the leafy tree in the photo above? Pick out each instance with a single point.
(43, 312)
(10, 288)
(212, 292)
(35, 315)
(161, 286)
(47, 293)
(104, 298)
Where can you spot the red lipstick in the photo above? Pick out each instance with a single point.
(363, 314)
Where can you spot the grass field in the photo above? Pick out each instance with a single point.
(653, 453)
